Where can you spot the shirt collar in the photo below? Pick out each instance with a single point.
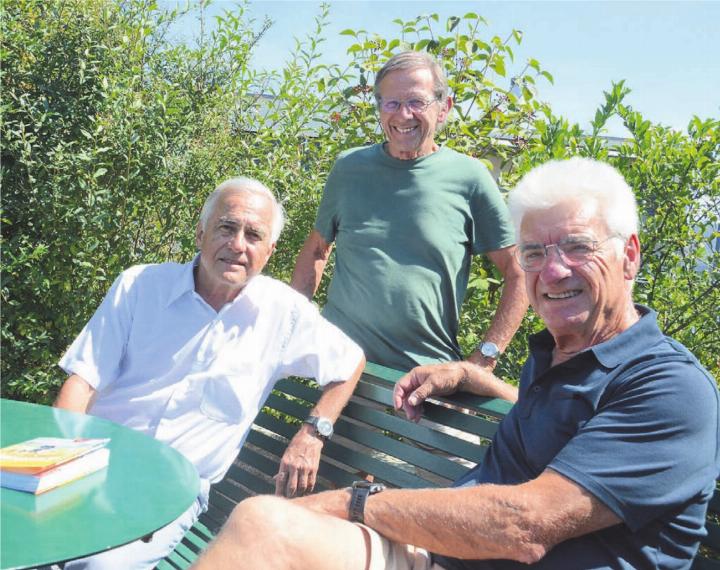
(631, 342)
(621, 347)
(186, 284)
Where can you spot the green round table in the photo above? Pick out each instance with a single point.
(147, 485)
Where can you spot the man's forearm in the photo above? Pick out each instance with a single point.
(509, 314)
(478, 380)
(337, 394)
(518, 522)
(75, 395)
(299, 464)
(310, 264)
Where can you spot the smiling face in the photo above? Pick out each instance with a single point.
(234, 246)
(411, 134)
(587, 304)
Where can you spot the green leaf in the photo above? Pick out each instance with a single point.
(348, 32)
(452, 23)
(498, 64)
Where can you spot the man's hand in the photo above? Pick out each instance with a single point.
(441, 379)
(299, 464)
(425, 381)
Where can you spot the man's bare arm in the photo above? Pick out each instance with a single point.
(75, 395)
(516, 522)
(310, 264)
(299, 465)
(422, 382)
(512, 306)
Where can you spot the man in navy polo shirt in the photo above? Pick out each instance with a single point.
(607, 460)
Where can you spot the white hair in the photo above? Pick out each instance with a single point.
(577, 178)
(244, 184)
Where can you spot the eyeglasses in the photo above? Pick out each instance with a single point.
(415, 105)
(573, 251)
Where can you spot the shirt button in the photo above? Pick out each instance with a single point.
(536, 389)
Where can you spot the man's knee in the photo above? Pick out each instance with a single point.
(255, 516)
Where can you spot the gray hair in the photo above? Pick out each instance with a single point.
(244, 184)
(578, 178)
(409, 60)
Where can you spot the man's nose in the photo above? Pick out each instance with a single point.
(404, 111)
(237, 241)
(555, 267)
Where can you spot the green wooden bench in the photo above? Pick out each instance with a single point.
(369, 439)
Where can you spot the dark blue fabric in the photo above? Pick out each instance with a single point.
(634, 421)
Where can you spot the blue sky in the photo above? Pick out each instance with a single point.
(667, 52)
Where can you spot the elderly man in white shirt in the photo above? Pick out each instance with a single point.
(188, 353)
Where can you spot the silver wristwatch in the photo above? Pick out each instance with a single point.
(489, 350)
(323, 426)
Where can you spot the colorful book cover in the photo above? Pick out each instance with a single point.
(57, 476)
(43, 453)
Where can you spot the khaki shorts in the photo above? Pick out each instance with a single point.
(388, 555)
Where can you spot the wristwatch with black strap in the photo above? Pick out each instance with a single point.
(361, 490)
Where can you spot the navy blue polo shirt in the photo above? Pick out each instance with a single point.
(634, 421)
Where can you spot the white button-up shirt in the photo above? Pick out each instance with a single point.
(165, 363)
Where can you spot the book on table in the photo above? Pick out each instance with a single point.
(43, 463)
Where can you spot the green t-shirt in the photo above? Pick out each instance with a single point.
(405, 231)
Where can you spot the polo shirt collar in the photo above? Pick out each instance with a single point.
(186, 284)
(629, 343)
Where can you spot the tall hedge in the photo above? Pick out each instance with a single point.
(112, 135)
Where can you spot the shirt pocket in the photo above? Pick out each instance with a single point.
(222, 399)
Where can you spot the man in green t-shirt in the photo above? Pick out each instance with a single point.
(407, 215)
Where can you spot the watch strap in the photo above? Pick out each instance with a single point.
(357, 504)
(313, 421)
(361, 490)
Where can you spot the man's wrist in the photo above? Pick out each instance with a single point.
(486, 362)
(309, 431)
(360, 491)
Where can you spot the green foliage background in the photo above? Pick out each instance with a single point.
(112, 135)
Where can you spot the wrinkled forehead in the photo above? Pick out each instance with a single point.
(403, 83)
(239, 205)
(570, 218)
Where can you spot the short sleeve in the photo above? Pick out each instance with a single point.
(97, 352)
(315, 348)
(492, 228)
(659, 431)
(328, 215)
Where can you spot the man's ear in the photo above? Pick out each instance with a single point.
(631, 259)
(443, 115)
(198, 235)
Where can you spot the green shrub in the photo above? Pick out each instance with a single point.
(112, 135)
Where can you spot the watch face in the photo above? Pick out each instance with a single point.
(324, 427)
(489, 349)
